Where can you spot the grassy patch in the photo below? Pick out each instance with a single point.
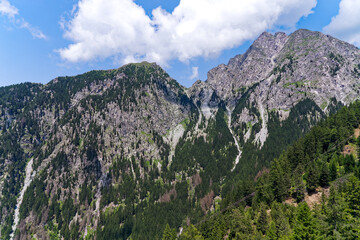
(148, 136)
(323, 105)
(185, 122)
(296, 84)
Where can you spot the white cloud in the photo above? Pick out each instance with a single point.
(346, 25)
(195, 73)
(7, 9)
(35, 32)
(121, 29)
(12, 12)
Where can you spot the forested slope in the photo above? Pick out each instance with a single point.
(315, 165)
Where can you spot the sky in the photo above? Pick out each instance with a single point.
(41, 39)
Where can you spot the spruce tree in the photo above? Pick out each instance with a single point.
(333, 169)
(271, 232)
(280, 219)
(324, 175)
(299, 191)
(312, 179)
(169, 234)
(335, 209)
(191, 233)
(240, 224)
(262, 220)
(305, 227)
(279, 178)
(349, 163)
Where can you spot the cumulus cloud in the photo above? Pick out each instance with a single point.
(346, 25)
(195, 73)
(6, 9)
(201, 28)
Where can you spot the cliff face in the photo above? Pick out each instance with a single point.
(107, 151)
(304, 61)
(282, 81)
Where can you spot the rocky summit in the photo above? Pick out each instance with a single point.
(123, 152)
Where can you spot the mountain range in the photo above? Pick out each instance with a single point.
(124, 152)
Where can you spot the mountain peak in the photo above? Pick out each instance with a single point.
(301, 56)
(142, 64)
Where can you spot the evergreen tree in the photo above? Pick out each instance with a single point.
(299, 186)
(333, 168)
(349, 163)
(324, 175)
(240, 225)
(169, 234)
(262, 221)
(312, 179)
(264, 190)
(305, 227)
(271, 233)
(353, 197)
(280, 180)
(280, 219)
(191, 233)
(335, 209)
(214, 228)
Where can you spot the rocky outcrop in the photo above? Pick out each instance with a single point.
(282, 70)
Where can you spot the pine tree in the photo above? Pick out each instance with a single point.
(349, 163)
(169, 234)
(240, 224)
(280, 180)
(305, 227)
(353, 197)
(335, 209)
(299, 191)
(280, 219)
(191, 233)
(271, 232)
(333, 169)
(262, 220)
(324, 175)
(264, 190)
(312, 179)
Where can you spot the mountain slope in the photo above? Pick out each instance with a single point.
(310, 192)
(120, 153)
(281, 87)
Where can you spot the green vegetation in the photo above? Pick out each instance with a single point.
(15, 123)
(338, 61)
(280, 135)
(314, 160)
(139, 196)
(298, 84)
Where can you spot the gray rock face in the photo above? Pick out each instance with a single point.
(205, 97)
(283, 70)
(243, 71)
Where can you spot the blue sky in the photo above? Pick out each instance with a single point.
(41, 39)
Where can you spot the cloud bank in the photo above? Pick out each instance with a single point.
(6, 9)
(203, 28)
(346, 25)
